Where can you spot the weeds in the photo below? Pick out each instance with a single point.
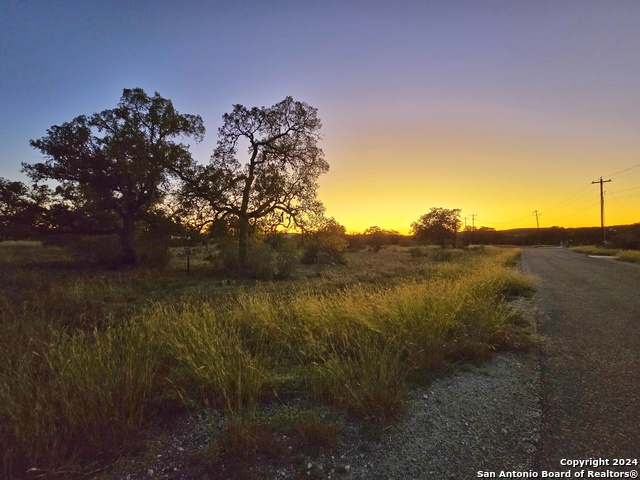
(76, 383)
(631, 256)
(593, 250)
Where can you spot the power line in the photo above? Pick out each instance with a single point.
(626, 212)
(576, 209)
(627, 175)
(586, 207)
(567, 199)
(626, 190)
(625, 170)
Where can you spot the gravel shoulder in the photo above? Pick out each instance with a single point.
(481, 418)
(484, 419)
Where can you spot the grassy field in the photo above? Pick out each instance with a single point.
(90, 359)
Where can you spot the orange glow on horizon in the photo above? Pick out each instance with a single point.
(390, 180)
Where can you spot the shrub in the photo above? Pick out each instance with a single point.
(285, 258)
(260, 261)
(310, 254)
(324, 247)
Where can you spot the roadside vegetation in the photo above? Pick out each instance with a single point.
(91, 358)
(632, 256)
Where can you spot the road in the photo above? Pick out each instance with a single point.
(590, 358)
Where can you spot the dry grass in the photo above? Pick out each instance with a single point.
(87, 355)
(631, 256)
(595, 250)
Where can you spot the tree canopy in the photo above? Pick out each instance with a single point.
(119, 160)
(439, 225)
(22, 208)
(274, 185)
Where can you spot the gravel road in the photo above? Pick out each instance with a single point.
(590, 359)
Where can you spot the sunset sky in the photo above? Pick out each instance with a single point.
(499, 108)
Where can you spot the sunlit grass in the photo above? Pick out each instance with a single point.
(87, 355)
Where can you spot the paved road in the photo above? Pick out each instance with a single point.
(590, 363)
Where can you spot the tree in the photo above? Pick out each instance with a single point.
(480, 236)
(438, 225)
(277, 184)
(119, 160)
(376, 237)
(22, 209)
(326, 243)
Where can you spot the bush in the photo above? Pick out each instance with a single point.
(356, 242)
(310, 254)
(324, 247)
(286, 257)
(264, 261)
(260, 261)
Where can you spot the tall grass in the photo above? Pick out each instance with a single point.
(632, 256)
(78, 398)
(595, 250)
(71, 395)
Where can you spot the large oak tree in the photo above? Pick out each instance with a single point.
(119, 160)
(275, 184)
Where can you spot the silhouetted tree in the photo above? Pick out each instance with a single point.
(22, 209)
(480, 236)
(377, 237)
(119, 160)
(326, 243)
(438, 225)
(276, 185)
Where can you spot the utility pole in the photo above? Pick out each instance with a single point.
(473, 221)
(602, 206)
(538, 215)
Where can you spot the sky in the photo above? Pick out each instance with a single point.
(499, 108)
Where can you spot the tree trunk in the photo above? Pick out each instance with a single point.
(243, 243)
(128, 240)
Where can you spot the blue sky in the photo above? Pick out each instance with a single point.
(496, 107)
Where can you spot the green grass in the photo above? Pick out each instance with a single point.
(91, 357)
